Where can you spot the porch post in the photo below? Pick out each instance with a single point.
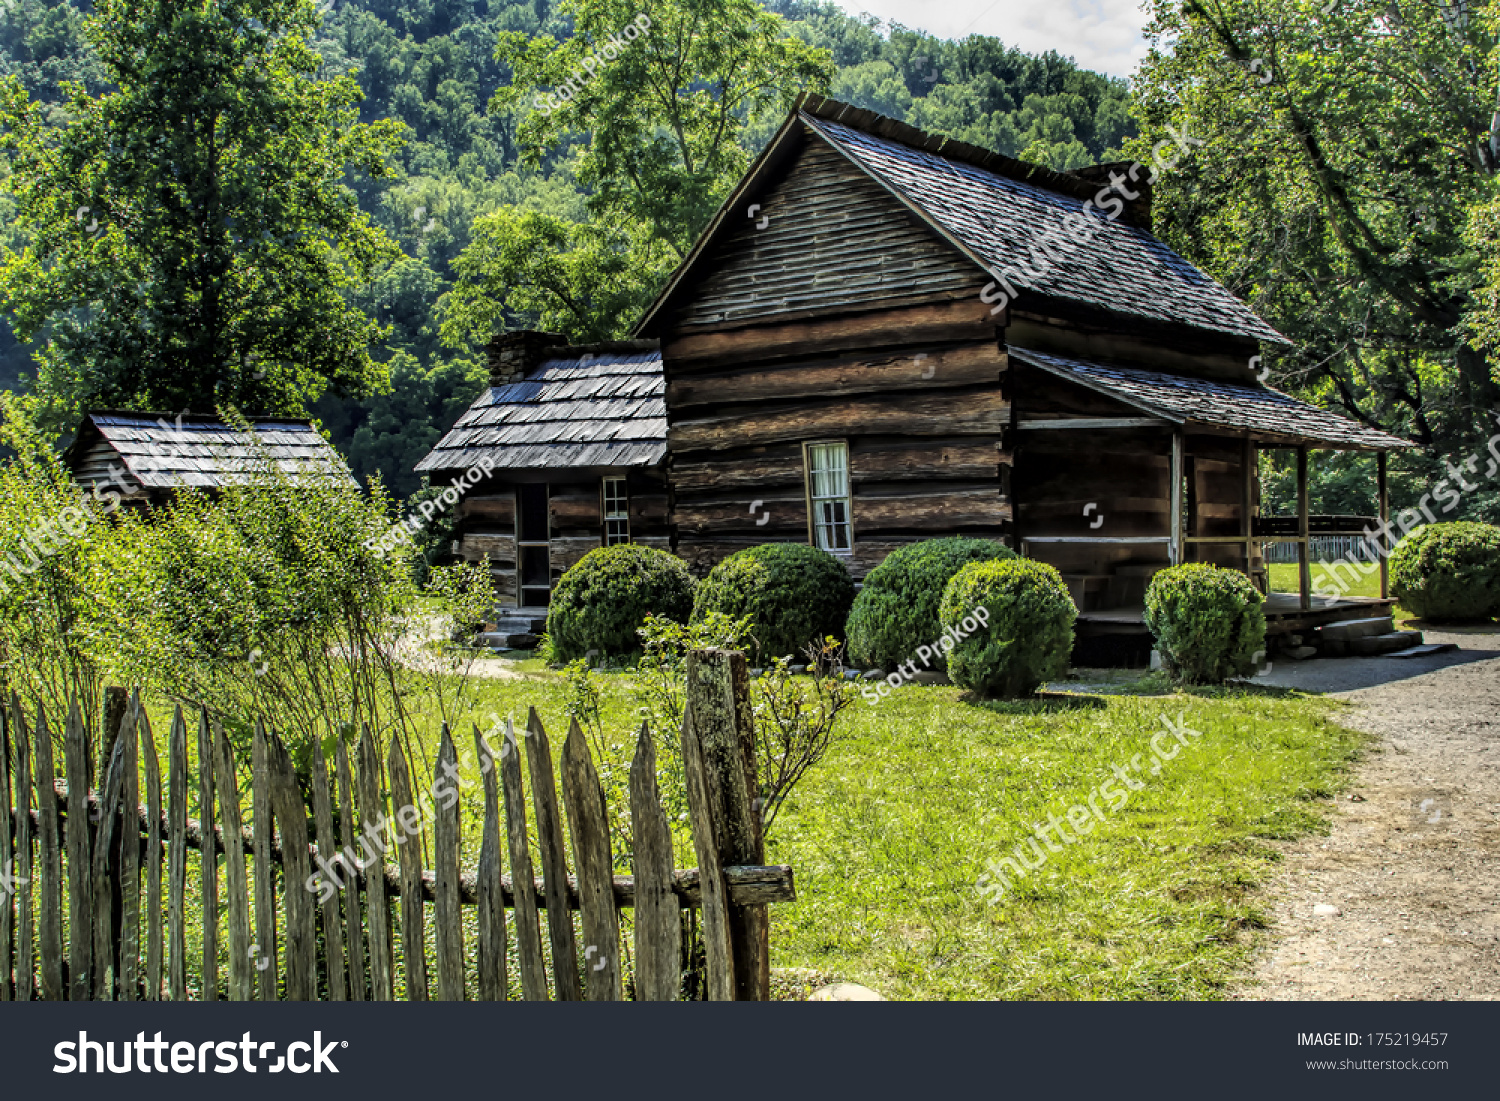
(1304, 567)
(1176, 499)
(1247, 503)
(1383, 505)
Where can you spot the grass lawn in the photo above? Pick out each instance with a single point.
(889, 835)
(1284, 579)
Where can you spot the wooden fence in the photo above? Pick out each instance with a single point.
(114, 865)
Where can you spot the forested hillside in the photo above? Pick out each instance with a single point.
(433, 66)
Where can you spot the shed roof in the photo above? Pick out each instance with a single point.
(162, 451)
(1261, 413)
(576, 408)
(1000, 212)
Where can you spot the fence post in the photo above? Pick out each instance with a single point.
(718, 707)
(7, 857)
(116, 702)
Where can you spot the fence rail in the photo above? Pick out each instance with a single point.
(1326, 548)
(309, 905)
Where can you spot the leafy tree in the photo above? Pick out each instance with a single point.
(578, 278)
(664, 104)
(430, 68)
(192, 239)
(1345, 149)
(664, 115)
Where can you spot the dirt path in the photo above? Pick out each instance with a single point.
(1413, 862)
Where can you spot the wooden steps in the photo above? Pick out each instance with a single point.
(516, 629)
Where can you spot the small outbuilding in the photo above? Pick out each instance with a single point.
(563, 452)
(146, 456)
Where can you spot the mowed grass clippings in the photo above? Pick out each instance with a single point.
(890, 836)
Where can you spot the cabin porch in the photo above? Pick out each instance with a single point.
(1120, 472)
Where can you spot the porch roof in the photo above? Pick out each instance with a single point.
(1264, 415)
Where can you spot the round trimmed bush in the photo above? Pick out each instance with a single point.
(1029, 634)
(1449, 571)
(793, 594)
(1209, 622)
(606, 596)
(897, 609)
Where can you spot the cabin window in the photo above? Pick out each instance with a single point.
(828, 495)
(616, 512)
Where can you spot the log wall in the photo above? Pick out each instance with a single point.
(915, 392)
(487, 518)
(823, 236)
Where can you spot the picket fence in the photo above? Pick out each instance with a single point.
(91, 856)
(1326, 548)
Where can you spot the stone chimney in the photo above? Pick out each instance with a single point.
(511, 356)
(1138, 210)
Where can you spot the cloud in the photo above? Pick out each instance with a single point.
(1104, 35)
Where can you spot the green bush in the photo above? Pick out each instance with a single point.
(897, 609)
(1449, 571)
(604, 599)
(1208, 622)
(1019, 630)
(792, 594)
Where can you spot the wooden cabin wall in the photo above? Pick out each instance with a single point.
(1125, 475)
(824, 237)
(487, 526)
(487, 520)
(915, 392)
(1216, 480)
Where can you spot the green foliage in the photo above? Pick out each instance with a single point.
(663, 112)
(897, 609)
(50, 533)
(430, 70)
(191, 237)
(579, 279)
(267, 600)
(1345, 186)
(792, 594)
(660, 692)
(1448, 571)
(1029, 634)
(1209, 622)
(600, 604)
(795, 719)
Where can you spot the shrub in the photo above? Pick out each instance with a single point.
(1029, 633)
(1449, 571)
(1208, 622)
(792, 594)
(604, 599)
(897, 609)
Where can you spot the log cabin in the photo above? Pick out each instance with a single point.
(886, 336)
(573, 439)
(146, 457)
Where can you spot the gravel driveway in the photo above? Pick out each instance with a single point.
(1413, 863)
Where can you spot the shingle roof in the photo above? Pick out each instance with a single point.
(577, 409)
(1264, 414)
(999, 220)
(162, 451)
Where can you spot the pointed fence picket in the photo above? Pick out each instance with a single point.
(317, 879)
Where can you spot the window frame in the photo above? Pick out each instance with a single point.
(623, 516)
(811, 500)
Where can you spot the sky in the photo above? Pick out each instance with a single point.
(1104, 35)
